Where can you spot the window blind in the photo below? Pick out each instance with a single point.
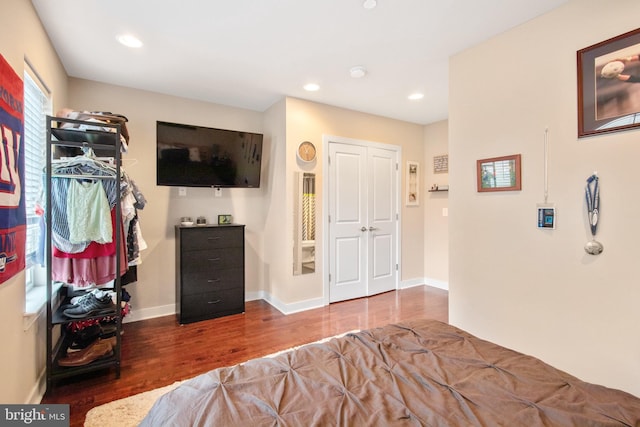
(37, 105)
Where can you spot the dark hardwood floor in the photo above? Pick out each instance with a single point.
(158, 352)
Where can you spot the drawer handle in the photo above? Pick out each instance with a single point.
(213, 238)
(213, 280)
(214, 302)
(214, 259)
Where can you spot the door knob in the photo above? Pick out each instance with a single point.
(363, 229)
(372, 228)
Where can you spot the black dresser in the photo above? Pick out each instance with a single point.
(209, 271)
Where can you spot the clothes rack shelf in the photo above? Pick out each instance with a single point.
(59, 338)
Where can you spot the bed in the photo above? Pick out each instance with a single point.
(417, 373)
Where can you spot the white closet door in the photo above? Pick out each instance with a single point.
(348, 219)
(363, 227)
(382, 224)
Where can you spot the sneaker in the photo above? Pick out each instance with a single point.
(91, 306)
(80, 296)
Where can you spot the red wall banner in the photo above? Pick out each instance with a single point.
(13, 228)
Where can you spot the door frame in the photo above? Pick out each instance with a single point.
(326, 140)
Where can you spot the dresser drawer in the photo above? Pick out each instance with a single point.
(197, 282)
(209, 272)
(212, 304)
(198, 238)
(213, 259)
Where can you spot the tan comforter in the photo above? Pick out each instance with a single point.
(420, 373)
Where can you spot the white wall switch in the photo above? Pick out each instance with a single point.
(182, 191)
(445, 211)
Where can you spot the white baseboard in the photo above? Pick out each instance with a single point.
(253, 295)
(436, 283)
(411, 283)
(38, 390)
(424, 281)
(149, 313)
(296, 307)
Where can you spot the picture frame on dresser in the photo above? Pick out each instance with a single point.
(225, 219)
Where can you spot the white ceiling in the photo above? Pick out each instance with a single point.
(251, 53)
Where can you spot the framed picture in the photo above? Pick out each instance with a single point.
(499, 174)
(413, 180)
(224, 219)
(441, 164)
(609, 85)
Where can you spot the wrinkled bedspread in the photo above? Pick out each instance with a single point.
(419, 373)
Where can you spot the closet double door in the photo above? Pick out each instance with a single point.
(363, 219)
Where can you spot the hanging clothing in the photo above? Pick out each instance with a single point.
(84, 272)
(93, 249)
(84, 198)
(60, 234)
(88, 212)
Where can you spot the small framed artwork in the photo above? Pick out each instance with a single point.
(441, 164)
(413, 186)
(224, 219)
(499, 174)
(609, 85)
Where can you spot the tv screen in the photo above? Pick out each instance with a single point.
(197, 156)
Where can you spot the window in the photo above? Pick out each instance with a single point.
(37, 104)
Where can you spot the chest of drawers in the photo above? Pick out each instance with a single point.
(209, 271)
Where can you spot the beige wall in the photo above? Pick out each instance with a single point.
(436, 223)
(23, 351)
(154, 293)
(310, 121)
(267, 212)
(531, 290)
(275, 269)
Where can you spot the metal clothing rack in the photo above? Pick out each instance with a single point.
(58, 341)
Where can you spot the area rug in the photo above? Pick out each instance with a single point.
(128, 412)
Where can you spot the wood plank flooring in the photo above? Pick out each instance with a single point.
(157, 352)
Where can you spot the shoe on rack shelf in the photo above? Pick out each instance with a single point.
(97, 350)
(84, 337)
(78, 296)
(92, 305)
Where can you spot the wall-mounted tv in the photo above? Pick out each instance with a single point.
(197, 156)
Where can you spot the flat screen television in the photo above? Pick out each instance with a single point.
(197, 156)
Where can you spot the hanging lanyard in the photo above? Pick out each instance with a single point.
(593, 202)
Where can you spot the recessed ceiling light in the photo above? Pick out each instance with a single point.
(357, 72)
(311, 87)
(369, 4)
(129, 40)
(416, 96)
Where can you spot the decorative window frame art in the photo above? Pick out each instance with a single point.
(609, 85)
(499, 174)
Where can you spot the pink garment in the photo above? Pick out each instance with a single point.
(89, 271)
(94, 249)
